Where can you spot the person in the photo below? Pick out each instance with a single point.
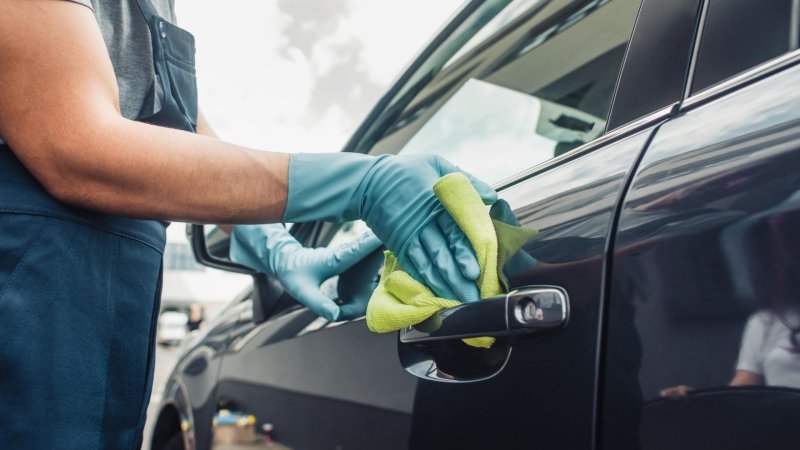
(103, 144)
(769, 354)
(195, 317)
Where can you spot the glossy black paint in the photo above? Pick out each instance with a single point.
(707, 236)
(189, 396)
(572, 205)
(484, 318)
(737, 36)
(657, 60)
(321, 374)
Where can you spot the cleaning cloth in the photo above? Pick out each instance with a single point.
(400, 301)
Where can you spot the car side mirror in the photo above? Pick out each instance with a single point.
(210, 245)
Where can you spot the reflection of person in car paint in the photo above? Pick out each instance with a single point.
(769, 354)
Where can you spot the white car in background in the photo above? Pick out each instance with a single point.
(172, 327)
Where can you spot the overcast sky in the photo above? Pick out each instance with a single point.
(300, 75)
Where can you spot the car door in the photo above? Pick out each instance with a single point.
(318, 384)
(519, 93)
(701, 343)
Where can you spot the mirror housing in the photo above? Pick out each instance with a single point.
(211, 249)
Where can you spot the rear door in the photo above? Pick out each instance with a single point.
(519, 93)
(703, 327)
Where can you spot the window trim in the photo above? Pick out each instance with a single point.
(357, 143)
(687, 92)
(614, 135)
(687, 103)
(741, 80)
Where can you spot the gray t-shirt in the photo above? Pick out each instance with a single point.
(127, 38)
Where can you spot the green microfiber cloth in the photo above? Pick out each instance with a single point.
(400, 301)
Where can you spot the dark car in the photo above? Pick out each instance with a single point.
(655, 145)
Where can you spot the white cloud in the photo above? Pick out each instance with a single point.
(392, 33)
(256, 87)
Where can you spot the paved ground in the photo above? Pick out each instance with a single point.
(166, 357)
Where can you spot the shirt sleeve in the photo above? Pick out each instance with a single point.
(751, 352)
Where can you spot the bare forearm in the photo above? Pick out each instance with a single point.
(161, 173)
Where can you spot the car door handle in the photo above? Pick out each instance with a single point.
(527, 311)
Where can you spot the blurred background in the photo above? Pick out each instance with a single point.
(288, 76)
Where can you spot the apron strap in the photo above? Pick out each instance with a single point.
(147, 9)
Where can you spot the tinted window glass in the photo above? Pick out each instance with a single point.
(740, 34)
(703, 318)
(538, 84)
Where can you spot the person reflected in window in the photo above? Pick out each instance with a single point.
(769, 354)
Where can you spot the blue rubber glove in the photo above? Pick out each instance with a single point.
(273, 250)
(393, 194)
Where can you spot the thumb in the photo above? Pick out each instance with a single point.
(311, 296)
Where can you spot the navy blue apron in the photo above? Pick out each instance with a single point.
(80, 293)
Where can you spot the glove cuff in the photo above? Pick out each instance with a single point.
(262, 247)
(327, 186)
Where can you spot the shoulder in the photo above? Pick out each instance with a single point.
(761, 319)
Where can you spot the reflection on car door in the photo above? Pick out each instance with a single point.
(549, 382)
(321, 385)
(705, 288)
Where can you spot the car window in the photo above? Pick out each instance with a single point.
(511, 98)
(740, 34)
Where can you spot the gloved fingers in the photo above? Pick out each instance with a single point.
(425, 269)
(357, 305)
(309, 295)
(344, 256)
(501, 211)
(487, 194)
(445, 265)
(460, 246)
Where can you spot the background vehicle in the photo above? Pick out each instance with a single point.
(172, 327)
(656, 147)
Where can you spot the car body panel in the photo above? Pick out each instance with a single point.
(573, 207)
(319, 384)
(707, 237)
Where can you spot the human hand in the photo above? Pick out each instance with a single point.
(394, 196)
(402, 209)
(676, 393)
(273, 250)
